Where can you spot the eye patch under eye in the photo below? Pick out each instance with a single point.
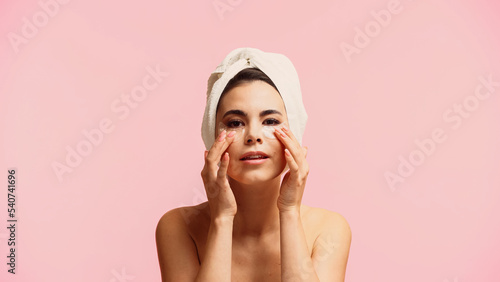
(267, 130)
(239, 131)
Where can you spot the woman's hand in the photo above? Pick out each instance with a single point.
(220, 196)
(294, 182)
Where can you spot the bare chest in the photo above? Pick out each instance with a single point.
(256, 262)
(252, 261)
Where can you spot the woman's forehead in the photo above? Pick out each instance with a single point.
(257, 95)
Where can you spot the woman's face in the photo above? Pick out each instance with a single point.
(252, 109)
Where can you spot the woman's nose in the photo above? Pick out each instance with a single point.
(254, 134)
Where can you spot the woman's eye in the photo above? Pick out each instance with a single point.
(272, 121)
(234, 123)
(237, 123)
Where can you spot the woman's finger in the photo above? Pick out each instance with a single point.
(218, 148)
(290, 144)
(294, 167)
(215, 152)
(297, 163)
(221, 173)
(289, 133)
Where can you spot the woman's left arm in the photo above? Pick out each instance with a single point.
(331, 249)
(296, 263)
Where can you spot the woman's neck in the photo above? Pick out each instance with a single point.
(257, 214)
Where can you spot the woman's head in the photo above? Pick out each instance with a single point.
(251, 105)
(244, 76)
(247, 66)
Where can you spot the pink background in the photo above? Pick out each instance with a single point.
(365, 110)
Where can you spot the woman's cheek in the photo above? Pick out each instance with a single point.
(233, 158)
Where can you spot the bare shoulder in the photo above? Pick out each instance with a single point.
(326, 221)
(177, 251)
(184, 217)
(330, 251)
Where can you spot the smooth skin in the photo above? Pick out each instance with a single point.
(253, 226)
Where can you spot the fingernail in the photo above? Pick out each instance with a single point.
(280, 131)
(231, 134)
(285, 128)
(222, 136)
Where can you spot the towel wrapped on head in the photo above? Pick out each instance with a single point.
(277, 67)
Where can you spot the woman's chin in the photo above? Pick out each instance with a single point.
(254, 177)
(249, 179)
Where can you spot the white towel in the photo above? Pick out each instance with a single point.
(279, 69)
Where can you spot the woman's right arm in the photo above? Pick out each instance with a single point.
(177, 253)
(176, 250)
(216, 264)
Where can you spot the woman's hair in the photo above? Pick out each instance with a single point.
(244, 76)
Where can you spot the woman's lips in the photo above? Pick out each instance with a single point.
(254, 154)
(255, 161)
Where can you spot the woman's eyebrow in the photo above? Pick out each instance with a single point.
(242, 113)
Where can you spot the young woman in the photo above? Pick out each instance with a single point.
(253, 226)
